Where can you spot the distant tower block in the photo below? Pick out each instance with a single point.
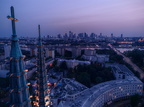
(100, 34)
(19, 94)
(33, 51)
(43, 94)
(111, 35)
(121, 35)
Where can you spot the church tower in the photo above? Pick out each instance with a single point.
(19, 93)
(43, 94)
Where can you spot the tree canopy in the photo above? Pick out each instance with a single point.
(136, 56)
(91, 74)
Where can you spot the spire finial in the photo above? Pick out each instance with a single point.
(13, 19)
(39, 32)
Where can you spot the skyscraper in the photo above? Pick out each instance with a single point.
(19, 94)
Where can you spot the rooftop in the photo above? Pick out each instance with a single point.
(75, 61)
(89, 95)
(67, 87)
(86, 99)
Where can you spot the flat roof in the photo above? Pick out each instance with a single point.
(86, 100)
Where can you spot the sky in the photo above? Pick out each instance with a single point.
(61, 16)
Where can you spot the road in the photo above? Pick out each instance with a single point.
(126, 59)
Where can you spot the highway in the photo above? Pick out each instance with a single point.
(128, 60)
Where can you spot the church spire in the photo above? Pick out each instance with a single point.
(19, 94)
(43, 94)
(39, 38)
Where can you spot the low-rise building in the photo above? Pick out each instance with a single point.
(107, 92)
(50, 53)
(66, 90)
(73, 63)
(96, 58)
(90, 52)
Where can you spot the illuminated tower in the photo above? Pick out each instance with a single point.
(43, 94)
(19, 94)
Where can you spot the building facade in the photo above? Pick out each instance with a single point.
(107, 92)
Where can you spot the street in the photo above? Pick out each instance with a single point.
(126, 59)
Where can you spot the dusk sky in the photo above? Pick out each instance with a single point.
(60, 16)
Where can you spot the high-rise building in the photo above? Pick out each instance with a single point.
(59, 36)
(93, 35)
(80, 35)
(85, 35)
(70, 34)
(100, 35)
(112, 35)
(121, 35)
(19, 93)
(43, 94)
(65, 36)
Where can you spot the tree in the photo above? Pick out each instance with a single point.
(80, 68)
(70, 73)
(117, 58)
(57, 69)
(136, 56)
(57, 54)
(63, 65)
(68, 53)
(93, 73)
(98, 80)
(5, 82)
(2, 104)
(134, 100)
(82, 52)
(84, 78)
(54, 63)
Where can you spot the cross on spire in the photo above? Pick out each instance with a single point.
(39, 38)
(13, 19)
(39, 31)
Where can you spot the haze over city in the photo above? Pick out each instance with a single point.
(68, 53)
(98, 16)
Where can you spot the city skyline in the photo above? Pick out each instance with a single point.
(101, 16)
